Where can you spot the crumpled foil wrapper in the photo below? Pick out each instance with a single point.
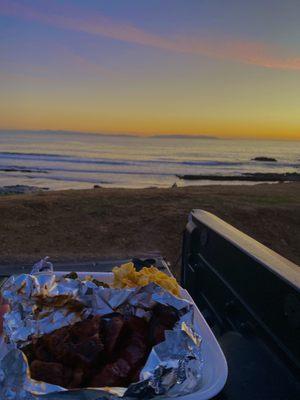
(40, 303)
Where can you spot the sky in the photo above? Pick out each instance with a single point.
(227, 68)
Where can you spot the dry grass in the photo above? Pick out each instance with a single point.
(104, 223)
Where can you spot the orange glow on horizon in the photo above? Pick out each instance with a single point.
(261, 133)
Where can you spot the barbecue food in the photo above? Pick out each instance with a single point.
(49, 371)
(113, 374)
(112, 326)
(65, 356)
(100, 351)
(127, 276)
(163, 318)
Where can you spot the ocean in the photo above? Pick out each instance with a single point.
(63, 160)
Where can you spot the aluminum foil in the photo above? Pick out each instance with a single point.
(41, 302)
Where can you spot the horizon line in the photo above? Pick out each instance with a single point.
(150, 135)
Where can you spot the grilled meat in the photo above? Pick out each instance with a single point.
(99, 351)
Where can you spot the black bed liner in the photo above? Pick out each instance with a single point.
(248, 294)
(250, 297)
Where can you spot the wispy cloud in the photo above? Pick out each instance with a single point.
(239, 50)
(53, 61)
(82, 63)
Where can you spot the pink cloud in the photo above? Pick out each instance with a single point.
(239, 50)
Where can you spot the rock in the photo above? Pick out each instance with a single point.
(97, 187)
(247, 177)
(24, 170)
(266, 159)
(20, 189)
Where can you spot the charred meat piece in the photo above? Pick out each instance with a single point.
(53, 356)
(163, 318)
(41, 352)
(112, 326)
(85, 352)
(135, 351)
(79, 344)
(54, 373)
(113, 374)
(135, 375)
(127, 344)
(136, 348)
(157, 332)
(167, 315)
(58, 348)
(56, 342)
(86, 328)
(85, 344)
(46, 347)
(106, 351)
(76, 379)
(137, 325)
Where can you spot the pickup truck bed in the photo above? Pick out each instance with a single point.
(250, 297)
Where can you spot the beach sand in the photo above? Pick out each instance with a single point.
(77, 225)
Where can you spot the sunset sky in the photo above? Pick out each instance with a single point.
(214, 67)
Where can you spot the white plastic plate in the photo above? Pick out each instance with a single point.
(215, 369)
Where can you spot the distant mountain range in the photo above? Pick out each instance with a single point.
(62, 132)
(184, 137)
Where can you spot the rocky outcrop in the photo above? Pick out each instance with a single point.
(20, 189)
(264, 159)
(247, 177)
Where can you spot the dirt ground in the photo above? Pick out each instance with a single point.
(77, 225)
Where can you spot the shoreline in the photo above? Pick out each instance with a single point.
(20, 189)
(246, 177)
(91, 224)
